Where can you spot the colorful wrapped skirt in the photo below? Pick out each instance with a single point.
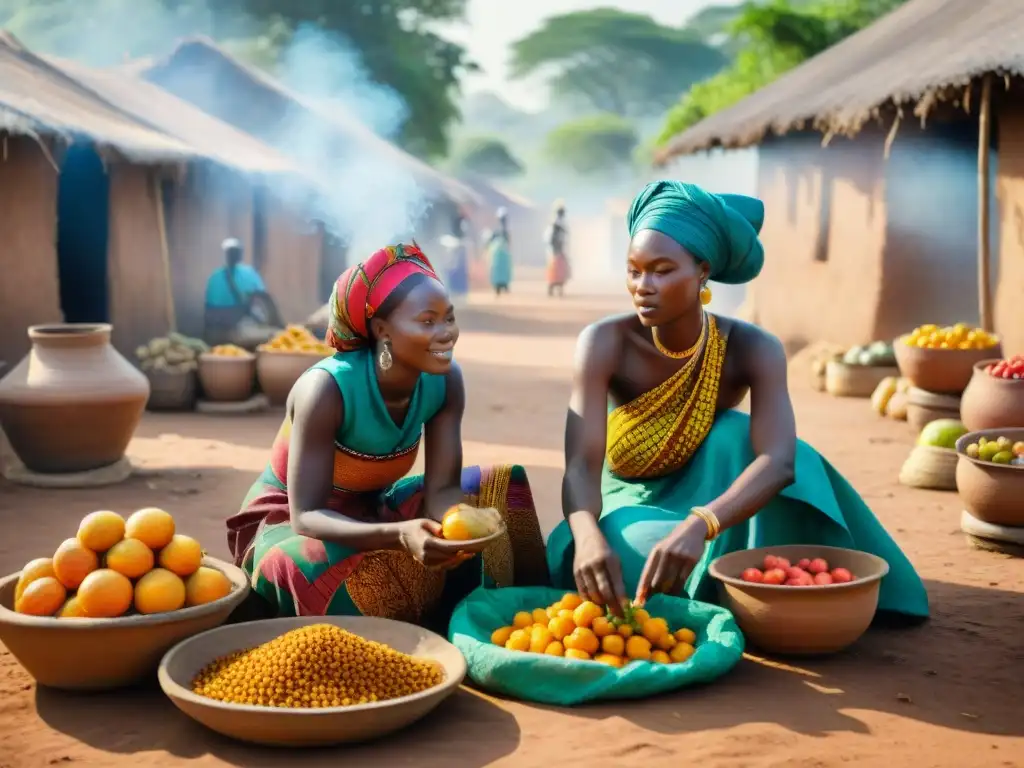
(300, 576)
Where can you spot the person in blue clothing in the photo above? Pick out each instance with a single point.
(238, 308)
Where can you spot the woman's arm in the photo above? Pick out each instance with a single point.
(772, 432)
(442, 483)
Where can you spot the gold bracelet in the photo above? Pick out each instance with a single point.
(710, 520)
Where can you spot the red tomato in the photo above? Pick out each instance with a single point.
(822, 579)
(841, 575)
(753, 575)
(774, 576)
(796, 583)
(818, 565)
(794, 572)
(783, 563)
(770, 561)
(989, 368)
(804, 563)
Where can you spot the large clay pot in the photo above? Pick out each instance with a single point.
(942, 371)
(990, 492)
(227, 379)
(277, 372)
(73, 403)
(991, 403)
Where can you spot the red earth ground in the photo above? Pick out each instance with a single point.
(947, 693)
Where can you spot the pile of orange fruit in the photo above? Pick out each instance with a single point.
(579, 629)
(113, 567)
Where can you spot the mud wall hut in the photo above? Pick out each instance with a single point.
(868, 169)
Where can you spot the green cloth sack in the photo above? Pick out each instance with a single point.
(567, 682)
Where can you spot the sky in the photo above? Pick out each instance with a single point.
(493, 25)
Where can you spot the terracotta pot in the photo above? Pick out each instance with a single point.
(990, 492)
(277, 372)
(990, 403)
(227, 379)
(73, 403)
(108, 653)
(171, 390)
(801, 620)
(925, 407)
(942, 371)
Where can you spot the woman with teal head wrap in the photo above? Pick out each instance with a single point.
(663, 473)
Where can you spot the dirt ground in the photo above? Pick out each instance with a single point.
(947, 693)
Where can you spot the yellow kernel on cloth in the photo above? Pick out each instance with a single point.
(316, 666)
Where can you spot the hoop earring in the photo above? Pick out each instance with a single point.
(385, 361)
(705, 295)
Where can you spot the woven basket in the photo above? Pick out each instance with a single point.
(842, 380)
(929, 467)
(171, 390)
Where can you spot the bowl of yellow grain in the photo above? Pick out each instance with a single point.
(311, 681)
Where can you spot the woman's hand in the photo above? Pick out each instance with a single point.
(421, 538)
(598, 572)
(672, 560)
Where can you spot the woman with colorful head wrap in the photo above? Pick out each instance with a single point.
(334, 525)
(663, 474)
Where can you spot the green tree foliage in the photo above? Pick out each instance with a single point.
(773, 38)
(615, 62)
(394, 38)
(487, 156)
(593, 144)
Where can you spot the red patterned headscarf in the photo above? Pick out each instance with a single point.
(362, 288)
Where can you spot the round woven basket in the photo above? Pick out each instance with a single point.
(929, 467)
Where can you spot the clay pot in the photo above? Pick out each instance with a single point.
(925, 407)
(277, 372)
(801, 621)
(842, 380)
(171, 390)
(990, 403)
(73, 403)
(227, 379)
(990, 492)
(942, 371)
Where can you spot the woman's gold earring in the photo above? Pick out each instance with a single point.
(385, 361)
(705, 295)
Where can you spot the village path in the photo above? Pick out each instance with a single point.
(948, 693)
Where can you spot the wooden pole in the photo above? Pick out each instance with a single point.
(984, 138)
(165, 251)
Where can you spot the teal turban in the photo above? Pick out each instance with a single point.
(719, 229)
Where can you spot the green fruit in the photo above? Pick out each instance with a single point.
(942, 433)
(972, 450)
(1004, 443)
(1003, 457)
(988, 451)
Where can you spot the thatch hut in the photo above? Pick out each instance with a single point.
(876, 228)
(216, 82)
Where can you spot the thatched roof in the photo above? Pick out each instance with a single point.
(37, 99)
(918, 54)
(198, 65)
(165, 112)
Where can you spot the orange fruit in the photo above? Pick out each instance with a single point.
(639, 648)
(571, 601)
(206, 585)
(39, 568)
(72, 562)
(540, 616)
(130, 557)
(152, 526)
(681, 652)
(519, 641)
(613, 644)
(72, 609)
(159, 591)
(565, 613)
(573, 653)
(522, 619)
(582, 639)
(685, 635)
(501, 635)
(654, 629)
(101, 530)
(182, 556)
(43, 597)
(105, 594)
(665, 643)
(555, 648)
(553, 610)
(660, 657)
(625, 630)
(586, 612)
(463, 522)
(609, 659)
(561, 626)
(602, 627)
(640, 615)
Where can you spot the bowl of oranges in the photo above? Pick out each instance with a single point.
(100, 611)
(552, 647)
(942, 359)
(227, 374)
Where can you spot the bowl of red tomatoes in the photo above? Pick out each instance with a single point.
(800, 599)
(994, 398)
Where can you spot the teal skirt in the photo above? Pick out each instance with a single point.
(820, 507)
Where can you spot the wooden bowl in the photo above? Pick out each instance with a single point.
(992, 493)
(801, 621)
(277, 372)
(942, 371)
(307, 727)
(227, 379)
(990, 403)
(102, 654)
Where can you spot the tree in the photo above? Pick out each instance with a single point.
(393, 38)
(593, 144)
(774, 38)
(487, 157)
(616, 62)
